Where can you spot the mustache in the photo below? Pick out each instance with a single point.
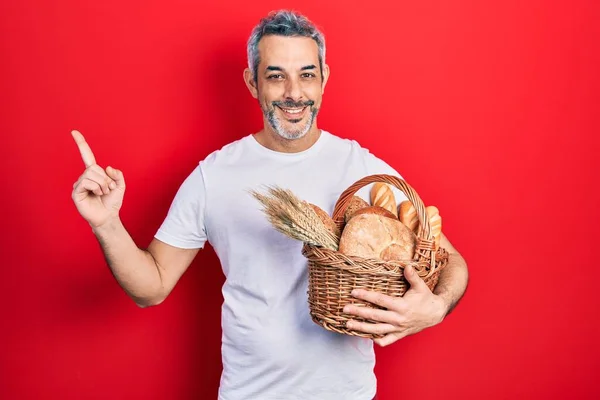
(293, 104)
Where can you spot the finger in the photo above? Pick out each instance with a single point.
(366, 327)
(373, 314)
(415, 281)
(110, 182)
(87, 185)
(78, 181)
(390, 338)
(117, 176)
(373, 297)
(84, 149)
(99, 177)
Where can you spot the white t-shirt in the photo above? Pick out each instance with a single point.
(271, 349)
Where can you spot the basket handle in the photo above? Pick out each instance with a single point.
(425, 241)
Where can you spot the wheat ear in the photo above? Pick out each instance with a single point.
(295, 218)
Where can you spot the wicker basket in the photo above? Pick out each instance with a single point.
(333, 275)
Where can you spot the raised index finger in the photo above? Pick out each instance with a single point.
(84, 149)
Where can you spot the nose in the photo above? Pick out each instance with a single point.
(293, 90)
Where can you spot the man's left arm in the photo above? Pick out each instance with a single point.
(419, 308)
(453, 279)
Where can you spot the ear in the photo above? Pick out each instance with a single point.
(325, 77)
(250, 83)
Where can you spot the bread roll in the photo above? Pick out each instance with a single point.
(435, 220)
(383, 196)
(356, 203)
(327, 220)
(408, 216)
(374, 210)
(375, 236)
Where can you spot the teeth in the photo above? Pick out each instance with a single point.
(292, 110)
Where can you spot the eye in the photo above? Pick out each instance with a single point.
(308, 75)
(275, 76)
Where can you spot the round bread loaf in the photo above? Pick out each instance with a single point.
(374, 210)
(374, 236)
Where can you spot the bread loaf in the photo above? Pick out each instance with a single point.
(383, 196)
(374, 236)
(356, 203)
(435, 220)
(408, 216)
(374, 210)
(326, 219)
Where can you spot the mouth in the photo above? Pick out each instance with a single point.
(293, 113)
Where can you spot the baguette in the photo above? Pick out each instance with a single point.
(383, 196)
(435, 220)
(408, 216)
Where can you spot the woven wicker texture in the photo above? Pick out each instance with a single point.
(333, 275)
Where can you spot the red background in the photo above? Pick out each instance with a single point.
(491, 111)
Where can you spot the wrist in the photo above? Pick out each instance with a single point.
(110, 225)
(445, 301)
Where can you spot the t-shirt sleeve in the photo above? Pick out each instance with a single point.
(376, 166)
(183, 226)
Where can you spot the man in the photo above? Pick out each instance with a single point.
(271, 349)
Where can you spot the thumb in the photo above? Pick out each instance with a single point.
(416, 282)
(117, 176)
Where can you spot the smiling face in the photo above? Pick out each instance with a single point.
(289, 84)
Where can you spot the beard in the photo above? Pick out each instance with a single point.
(298, 129)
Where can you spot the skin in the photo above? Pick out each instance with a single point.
(288, 73)
(419, 308)
(288, 77)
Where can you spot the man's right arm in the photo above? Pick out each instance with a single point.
(147, 276)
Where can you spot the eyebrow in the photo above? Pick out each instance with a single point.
(276, 68)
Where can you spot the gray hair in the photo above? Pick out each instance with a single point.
(283, 23)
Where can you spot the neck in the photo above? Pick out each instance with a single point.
(268, 138)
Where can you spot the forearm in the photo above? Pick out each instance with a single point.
(452, 281)
(134, 269)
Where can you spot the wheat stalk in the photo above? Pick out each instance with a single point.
(295, 218)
